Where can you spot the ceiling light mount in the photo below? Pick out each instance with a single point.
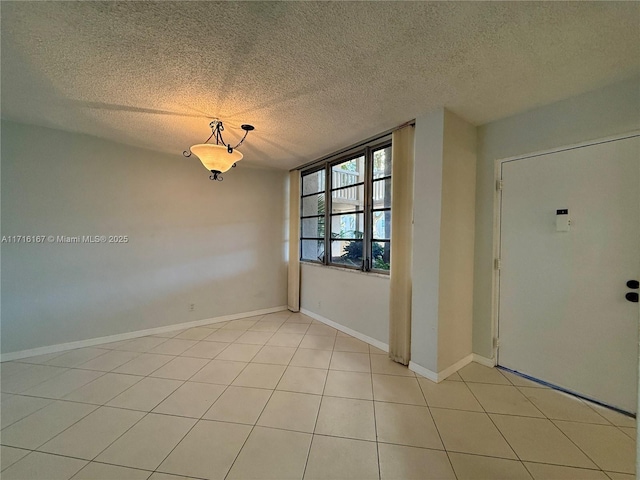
(221, 156)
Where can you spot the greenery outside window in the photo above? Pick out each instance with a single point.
(346, 220)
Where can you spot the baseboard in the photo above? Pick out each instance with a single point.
(423, 372)
(360, 336)
(487, 362)
(447, 372)
(91, 342)
(443, 374)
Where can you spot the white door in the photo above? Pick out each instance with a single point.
(563, 316)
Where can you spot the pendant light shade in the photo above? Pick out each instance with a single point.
(216, 157)
(221, 156)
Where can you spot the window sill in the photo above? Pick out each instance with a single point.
(346, 270)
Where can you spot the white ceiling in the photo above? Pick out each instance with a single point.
(312, 77)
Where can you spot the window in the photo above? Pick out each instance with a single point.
(381, 209)
(313, 216)
(346, 220)
(347, 212)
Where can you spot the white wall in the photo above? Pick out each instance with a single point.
(609, 111)
(427, 206)
(219, 245)
(356, 300)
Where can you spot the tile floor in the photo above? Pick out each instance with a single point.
(284, 397)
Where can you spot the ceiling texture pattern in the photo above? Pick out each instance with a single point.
(313, 77)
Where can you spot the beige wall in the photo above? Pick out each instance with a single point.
(455, 299)
(218, 245)
(609, 111)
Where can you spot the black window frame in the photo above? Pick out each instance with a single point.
(303, 195)
(367, 210)
(372, 209)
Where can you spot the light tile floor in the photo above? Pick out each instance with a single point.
(284, 397)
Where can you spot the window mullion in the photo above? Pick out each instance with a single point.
(328, 207)
(368, 204)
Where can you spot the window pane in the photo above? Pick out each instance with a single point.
(382, 193)
(381, 222)
(313, 182)
(347, 173)
(350, 211)
(313, 227)
(312, 250)
(347, 199)
(380, 255)
(348, 225)
(347, 252)
(313, 205)
(382, 162)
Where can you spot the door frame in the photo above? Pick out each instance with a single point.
(497, 225)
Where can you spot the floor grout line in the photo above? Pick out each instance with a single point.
(313, 434)
(328, 370)
(523, 416)
(438, 430)
(491, 419)
(192, 427)
(375, 418)
(256, 422)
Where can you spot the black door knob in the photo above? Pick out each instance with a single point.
(632, 297)
(633, 284)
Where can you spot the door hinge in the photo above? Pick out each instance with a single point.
(497, 264)
(496, 342)
(499, 185)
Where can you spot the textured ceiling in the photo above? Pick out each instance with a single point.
(312, 77)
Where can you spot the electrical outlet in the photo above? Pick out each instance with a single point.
(192, 307)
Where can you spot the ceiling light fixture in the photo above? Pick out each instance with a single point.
(220, 157)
